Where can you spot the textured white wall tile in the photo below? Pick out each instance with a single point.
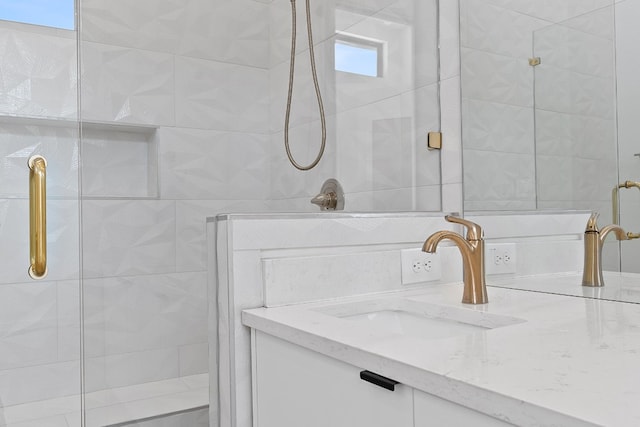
(356, 140)
(28, 325)
(139, 313)
(552, 171)
(68, 309)
(598, 22)
(555, 133)
(392, 160)
(449, 39)
(492, 126)
(428, 198)
(451, 153)
(194, 358)
(127, 85)
(62, 240)
(39, 382)
(196, 28)
(200, 164)
(58, 145)
(394, 200)
(147, 24)
(38, 76)
(495, 29)
(222, 96)
(552, 10)
(497, 78)
(207, 32)
(425, 24)
(493, 176)
(131, 368)
(128, 237)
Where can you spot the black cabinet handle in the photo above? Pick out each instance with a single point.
(379, 380)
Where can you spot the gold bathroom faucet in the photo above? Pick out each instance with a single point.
(593, 242)
(472, 251)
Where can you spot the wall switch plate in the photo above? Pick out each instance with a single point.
(419, 266)
(500, 258)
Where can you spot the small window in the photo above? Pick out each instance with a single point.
(49, 13)
(358, 55)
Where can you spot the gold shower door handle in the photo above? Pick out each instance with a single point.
(38, 216)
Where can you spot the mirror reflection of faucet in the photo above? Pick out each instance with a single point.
(593, 241)
(472, 251)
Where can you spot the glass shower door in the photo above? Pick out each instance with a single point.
(40, 364)
(575, 128)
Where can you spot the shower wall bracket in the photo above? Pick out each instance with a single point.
(434, 141)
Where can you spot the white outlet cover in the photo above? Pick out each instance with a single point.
(502, 251)
(409, 276)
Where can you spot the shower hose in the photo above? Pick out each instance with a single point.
(315, 83)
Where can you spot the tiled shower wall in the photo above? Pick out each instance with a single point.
(182, 105)
(516, 115)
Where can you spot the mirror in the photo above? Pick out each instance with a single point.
(549, 104)
(538, 103)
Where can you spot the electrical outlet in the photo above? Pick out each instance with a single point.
(418, 266)
(500, 258)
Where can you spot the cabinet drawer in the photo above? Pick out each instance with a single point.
(296, 387)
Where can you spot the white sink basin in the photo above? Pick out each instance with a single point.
(402, 322)
(417, 319)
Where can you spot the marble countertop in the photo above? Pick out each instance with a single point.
(546, 360)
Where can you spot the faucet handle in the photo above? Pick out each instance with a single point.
(592, 223)
(592, 227)
(474, 231)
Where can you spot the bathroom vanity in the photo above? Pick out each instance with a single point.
(525, 358)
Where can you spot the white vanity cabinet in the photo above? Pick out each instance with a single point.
(294, 387)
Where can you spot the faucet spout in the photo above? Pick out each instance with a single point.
(472, 251)
(593, 242)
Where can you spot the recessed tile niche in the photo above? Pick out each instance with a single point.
(119, 161)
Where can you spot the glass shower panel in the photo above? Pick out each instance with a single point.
(40, 340)
(575, 128)
(153, 89)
